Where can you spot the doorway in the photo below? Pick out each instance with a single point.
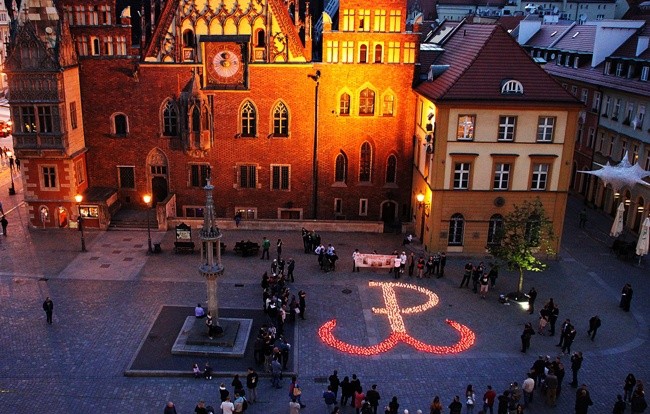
(159, 189)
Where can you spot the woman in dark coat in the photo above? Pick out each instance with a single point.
(347, 390)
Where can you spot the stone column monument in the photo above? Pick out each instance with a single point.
(211, 267)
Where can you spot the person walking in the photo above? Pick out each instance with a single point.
(420, 267)
(266, 245)
(347, 391)
(276, 372)
(525, 337)
(436, 406)
(576, 364)
(594, 324)
(626, 297)
(532, 295)
(48, 307)
(564, 330)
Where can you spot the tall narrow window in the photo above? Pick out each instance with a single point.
(616, 110)
(388, 105)
(393, 52)
(170, 119)
(248, 120)
(126, 177)
(501, 176)
(281, 120)
(540, 177)
(49, 177)
(280, 177)
(395, 21)
(456, 227)
(367, 102)
(409, 52)
(363, 54)
(120, 126)
(45, 119)
(365, 163)
(595, 103)
(364, 20)
(332, 51)
(260, 38)
(188, 39)
(344, 105)
(532, 231)
(341, 168)
(379, 24)
(379, 54)
(196, 119)
(73, 115)
(461, 175)
(347, 52)
(27, 119)
(391, 170)
(199, 175)
(247, 176)
(545, 128)
(348, 20)
(494, 229)
(507, 126)
(466, 124)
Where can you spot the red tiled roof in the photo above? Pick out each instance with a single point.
(597, 76)
(510, 22)
(578, 39)
(480, 58)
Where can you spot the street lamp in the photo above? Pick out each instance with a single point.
(12, 189)
(147, 199)
(80, 221)
(424, 207)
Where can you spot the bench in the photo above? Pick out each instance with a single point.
(247, 248)
(184, 247)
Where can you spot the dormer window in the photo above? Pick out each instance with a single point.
(512, 87)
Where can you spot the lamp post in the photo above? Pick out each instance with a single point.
(147, 199)
(314, 196)
(12, 189)
(80, 221)
(422, 206)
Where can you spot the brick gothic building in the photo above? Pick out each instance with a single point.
(114, 108)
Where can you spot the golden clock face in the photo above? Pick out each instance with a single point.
(224, 63)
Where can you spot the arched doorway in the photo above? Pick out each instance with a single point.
(389, 212)
(157, 165)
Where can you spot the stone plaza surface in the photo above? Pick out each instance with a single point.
(107, 300)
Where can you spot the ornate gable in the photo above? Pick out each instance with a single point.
(28, 52)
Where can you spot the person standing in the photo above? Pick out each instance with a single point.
(373, 397)
(170, 408)
(335, 383)
(582, 218)
(435, 269)
(48, 307)
(330, 400)
(411, 263)
(420, 267)
(279, 248)
(266, 244)
(456, 406)
(355, 255)
(467, 275)
(347, 391)
(525, 337)
(583, 400)
(568, 339)
(532, 295)
(251, 385)
(485, 283)
(302, 305)
(294, 406)
(528, 387)
(594, 324)
(276, 372)
(488, 400)
(638, 403)
(628, 387)
(626, 297)
(4, 223)
(443, 263)
(470, 399)
(619, 405)
(551, 388)
(553, 313)
(291, 265)
(564, 330)
(576, 364)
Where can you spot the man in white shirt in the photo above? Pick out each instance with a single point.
(227, 407)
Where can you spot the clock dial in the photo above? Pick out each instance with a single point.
(226, 63)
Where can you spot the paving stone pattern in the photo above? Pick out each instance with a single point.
(102, 314)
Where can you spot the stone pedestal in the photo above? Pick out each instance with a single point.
(231, 343)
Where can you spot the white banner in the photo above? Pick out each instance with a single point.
(379, 261)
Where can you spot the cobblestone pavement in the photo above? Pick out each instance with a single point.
(107, 299)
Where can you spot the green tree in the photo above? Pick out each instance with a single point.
(525, 235)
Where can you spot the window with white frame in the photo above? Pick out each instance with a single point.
(611, 146)
(347, 52)
(456, 229)
(608, 68)
(332, 49)
(501, 176)
(545, 128)
(647, 160)
(281, 177)
(379, 21)
(461, 175)
(629, 110)
(574, 90)
(595, 103)
(584, 95)
(281, 120)
(107, 15)
(365, 163)
(388, 105)
(363, 206)
(617, 109)
(507, 125)
(121, 45)
(539, 177)
(592, 138)
(640, 115)
(512, 87)
(623, 149)
(344, 104)
(619, 69)
(644, 73)
(170, 119)
(466, 124)
(494, 229)
(367, 102)
(248, 120)
(80, 15)
(338, 206)
(93, 16)
(608, 102)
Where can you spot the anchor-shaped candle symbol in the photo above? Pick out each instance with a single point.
(394, 314)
